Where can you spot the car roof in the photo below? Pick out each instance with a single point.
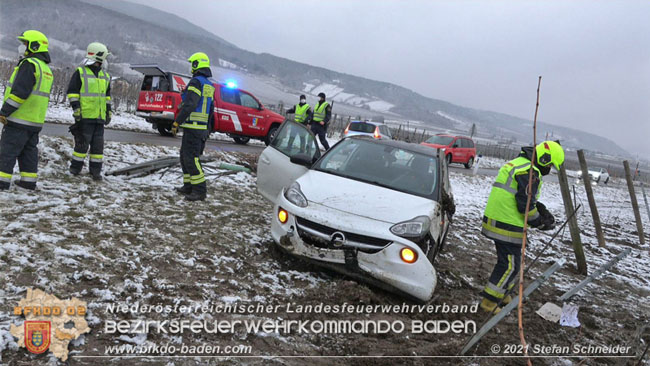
(421, 149)
(448, 135)
(369, 122)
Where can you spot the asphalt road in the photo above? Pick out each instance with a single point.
(53, 129)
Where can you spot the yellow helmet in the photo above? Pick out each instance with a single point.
(549, 152)
(35, 40)
(199, 60)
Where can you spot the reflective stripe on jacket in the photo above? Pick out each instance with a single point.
(502, 219)
(198, 119)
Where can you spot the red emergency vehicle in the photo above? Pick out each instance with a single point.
(237, 112)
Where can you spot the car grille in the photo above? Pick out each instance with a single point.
(317, 235)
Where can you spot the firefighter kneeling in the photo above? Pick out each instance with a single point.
(194, 117)
(503, 220)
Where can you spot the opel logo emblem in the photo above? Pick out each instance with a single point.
(337, 239)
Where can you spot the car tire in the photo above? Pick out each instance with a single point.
(241, 140)
(448, 159)
(271, 135)
(165, 130)
(469, 163)
(606, 180)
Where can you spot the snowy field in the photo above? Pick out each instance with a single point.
(134, 240)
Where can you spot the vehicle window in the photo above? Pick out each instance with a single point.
(247, 100)
(388, 132)
(440, 140)
(386, 166)
(470, 143)
(464, 142)
(293, 139)
(362, 127)
(147, 83)
(230, 95)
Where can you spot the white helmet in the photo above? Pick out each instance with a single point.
(97, 52)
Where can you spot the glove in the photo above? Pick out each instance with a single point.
(547, 219)
(76, 114)
(3, 120)
(109, 115)
(174, 128)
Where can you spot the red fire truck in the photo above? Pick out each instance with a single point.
(237, 112)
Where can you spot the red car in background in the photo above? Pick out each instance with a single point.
(457, 149)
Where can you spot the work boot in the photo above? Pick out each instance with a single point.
(184, 189)
(196, 196)
(4, 186)
(96, 176)
(74, 171)
(506, 300)
(490, 306)
(26, 185)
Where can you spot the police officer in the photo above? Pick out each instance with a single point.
(23, 110)
(194, 117)
(89, 93)
(320, 119)
(503, 220)
(301, 114)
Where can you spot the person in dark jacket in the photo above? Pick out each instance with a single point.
(23, 110)
(320, 119)
(89, 94)
(195, 117)
(503, 220)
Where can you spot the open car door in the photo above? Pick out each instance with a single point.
(274, 167)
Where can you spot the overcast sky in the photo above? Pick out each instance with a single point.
(593, 56)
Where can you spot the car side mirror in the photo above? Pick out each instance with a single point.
(301, 159)
(260, 108)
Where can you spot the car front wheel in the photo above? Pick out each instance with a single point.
(469, 163)
(241, 140)
(271, 135)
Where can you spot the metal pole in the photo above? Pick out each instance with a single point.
(596, 274)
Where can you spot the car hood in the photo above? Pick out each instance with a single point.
(363, 199)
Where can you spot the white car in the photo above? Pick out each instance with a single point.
(376, 210)
(376, 130)
(597, 175)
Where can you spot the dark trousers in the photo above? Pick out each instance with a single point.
(505, 271)
(18, 144)
(88, 136)
(320, 131)
(192, 146)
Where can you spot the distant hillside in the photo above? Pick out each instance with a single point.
(139, 34)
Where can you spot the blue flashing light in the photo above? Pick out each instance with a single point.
(231, 84)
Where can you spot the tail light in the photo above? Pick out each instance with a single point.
(346, 130)
(169, 102)
(377, 132)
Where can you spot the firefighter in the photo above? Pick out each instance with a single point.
(23, 110)
(301, 114)
(320, 119)
(503, 220)
(89, 93)
(194, 117)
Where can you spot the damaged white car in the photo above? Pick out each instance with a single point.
(376, 210)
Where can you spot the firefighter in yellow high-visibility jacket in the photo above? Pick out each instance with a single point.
(503, 220)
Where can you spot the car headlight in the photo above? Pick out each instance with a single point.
(414, 228)
(295, 195)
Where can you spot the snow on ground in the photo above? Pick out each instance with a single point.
(128, 240)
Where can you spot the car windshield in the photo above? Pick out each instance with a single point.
(386, 166)
(440, 140)
(362, 127)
